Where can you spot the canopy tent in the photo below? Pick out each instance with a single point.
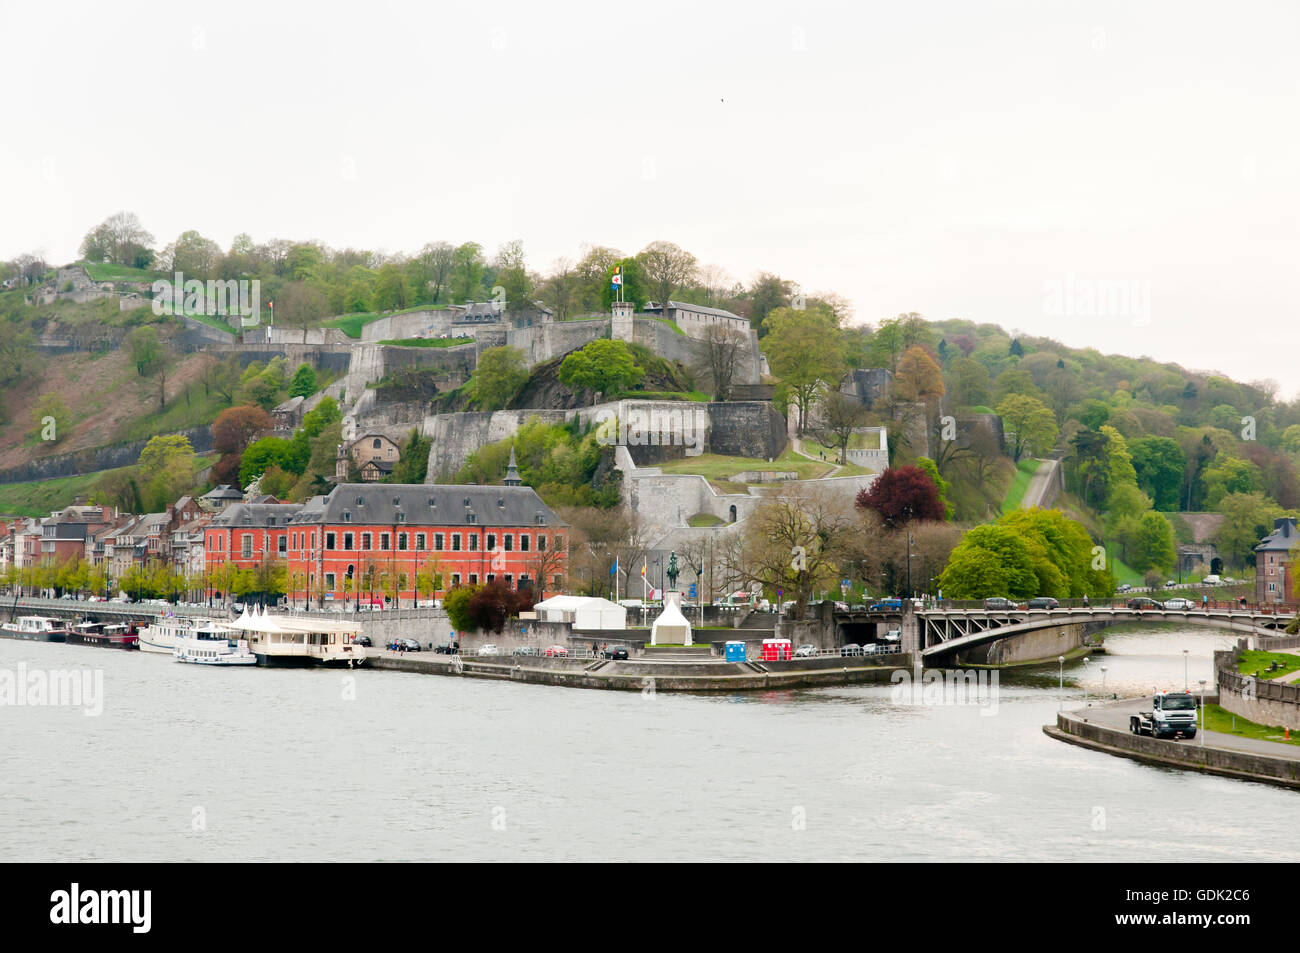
(671, 628)
(583, 612)
(260, 622)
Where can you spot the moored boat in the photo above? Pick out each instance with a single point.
(213, 644)
(162, 635)
(301, 641)
(103, 635)
(35, 628)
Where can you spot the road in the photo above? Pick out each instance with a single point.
(1040, 483)
(1116, 715)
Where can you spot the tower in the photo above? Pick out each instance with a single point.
(512, 471)
(621, 327)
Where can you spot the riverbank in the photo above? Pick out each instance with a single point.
(640, 675)
(1104, 727)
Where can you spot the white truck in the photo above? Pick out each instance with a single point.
(1172, 715)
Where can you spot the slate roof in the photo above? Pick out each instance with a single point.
(1284, 537)
(256, 514)
(699, 308)
(428, 505)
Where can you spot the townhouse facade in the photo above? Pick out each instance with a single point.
(1275, 563)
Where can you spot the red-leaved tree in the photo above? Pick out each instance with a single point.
(902, 494)
(492, 604)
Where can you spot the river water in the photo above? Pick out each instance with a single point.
(259, 764)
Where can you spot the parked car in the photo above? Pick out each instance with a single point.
(1211, 580)
(404, 645)
(364, 641)
(999, 603)
(1043, 602)
(1170, 584)
(447, 648)
(851, 649)
(1142, 602)
(489, 649)
(523, 650)
(893, 635)
(1180, 604)
(1123, 587)
(614, 652)
(807, 650)
(887, 605)
(556, 651)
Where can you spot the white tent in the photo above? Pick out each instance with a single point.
(583, 612)
(671, 628)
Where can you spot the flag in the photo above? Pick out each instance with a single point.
(617, 280)
(643, 569)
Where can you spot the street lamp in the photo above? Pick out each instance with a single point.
(1060, 704)
(1184, 669)
(1202, 712)
(1103, 681)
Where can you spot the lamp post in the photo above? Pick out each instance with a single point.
(1103, 681)
(1060, 703)
(1202, 712)
(910, 540)
(1184, 669)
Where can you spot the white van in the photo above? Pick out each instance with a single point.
(1211, 580)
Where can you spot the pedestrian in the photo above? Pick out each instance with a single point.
(595, 650)
(1205, 602)
(1085, 600)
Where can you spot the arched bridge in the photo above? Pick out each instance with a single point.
(943, 631)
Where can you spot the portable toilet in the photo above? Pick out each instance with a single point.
(735, 651)
(775, 650)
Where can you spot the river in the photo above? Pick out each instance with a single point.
(193, 764)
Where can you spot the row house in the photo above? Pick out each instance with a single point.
(1275, 563)
(66, 534)
(364, 538)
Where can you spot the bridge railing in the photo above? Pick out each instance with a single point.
(1265, 608)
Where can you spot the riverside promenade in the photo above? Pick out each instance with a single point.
(640, 674)
(1104, 726)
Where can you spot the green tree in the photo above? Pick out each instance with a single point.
(803, 349)
(166, 467)
(391, 290)
(303, 383)
(501, 371)
(1228, 474)
(1029, 423)
(1158, 463)
(606, 366)
(1247, 518)
(467, 272)
(931, 470)
(990, 560)
(457, 605)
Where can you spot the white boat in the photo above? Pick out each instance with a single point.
(35, 628)
(301, 641)
(213, 644)
(163, 635)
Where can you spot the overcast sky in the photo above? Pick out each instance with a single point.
(967, 159)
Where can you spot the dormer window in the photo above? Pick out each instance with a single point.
(471, 518)
(541, 520)
(397, 501)
(361, 501)
(347, 516)
(501, 503)
(467, 501)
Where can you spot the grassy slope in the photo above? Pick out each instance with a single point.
(1025, 470)
(40, 499)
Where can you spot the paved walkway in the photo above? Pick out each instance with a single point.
(1115, 714)
(1039, 484)
(797, 444)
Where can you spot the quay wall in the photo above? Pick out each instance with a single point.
(1072, 728)
(1261, 700)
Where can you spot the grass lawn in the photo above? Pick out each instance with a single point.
(103, 272)
(665, 321)
(1253, 661)
(45, 496)
(1025, 470)
(428, 342)
(214, 321)
(705, 519)
(351, 324)
(717, 467)
(693, 395)
(1217, 719)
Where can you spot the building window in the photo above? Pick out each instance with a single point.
(329, 581)
(438, 542)
(508, 541)
(491, 541)
(366, 540)
(455, 542)
(419, 542)
(541, 542)
(510, 580)
(282, 545)
(247, 542)
(401, 541)
(473, 579)
(473, 542)
(383, 541)
(523, 542)
(347, 541)
(455, 579)
(330, 540)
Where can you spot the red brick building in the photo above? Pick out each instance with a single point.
(364, 540)
(242, 535)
